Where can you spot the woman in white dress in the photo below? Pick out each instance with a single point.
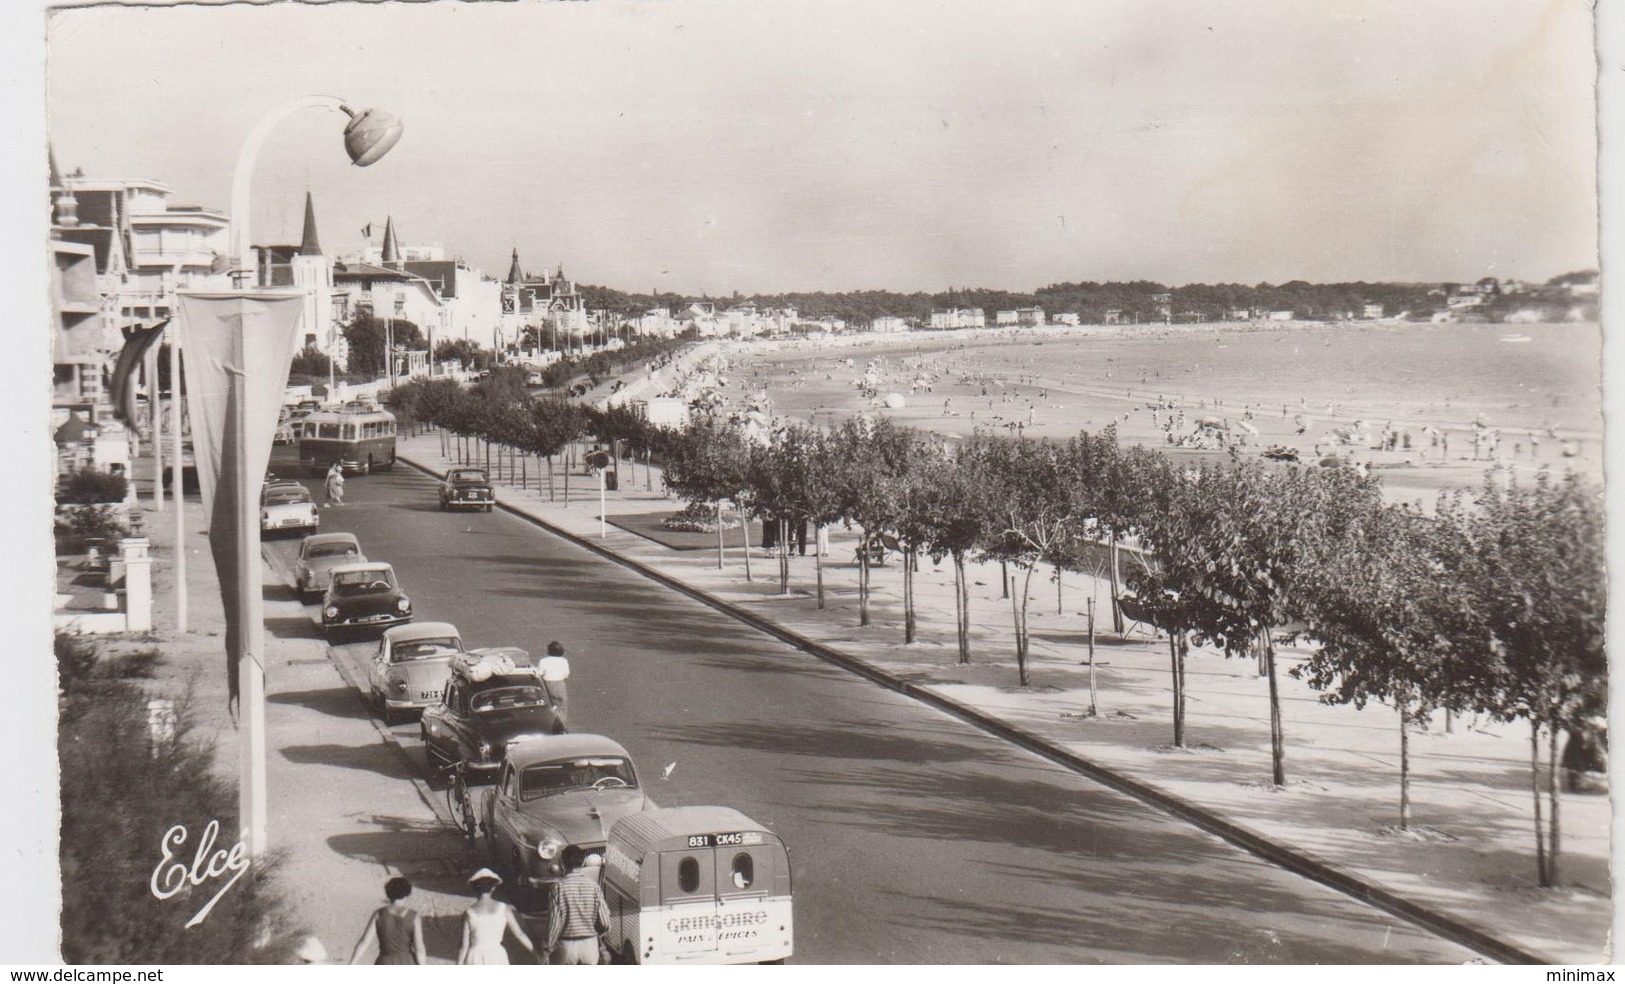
(485, 922)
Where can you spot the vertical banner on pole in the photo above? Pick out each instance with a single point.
(237, 348)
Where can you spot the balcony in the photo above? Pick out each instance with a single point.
(168, 258)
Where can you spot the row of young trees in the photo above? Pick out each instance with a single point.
(1491, 605)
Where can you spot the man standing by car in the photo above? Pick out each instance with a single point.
(578, 915)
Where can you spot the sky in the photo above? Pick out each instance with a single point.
(835, 145)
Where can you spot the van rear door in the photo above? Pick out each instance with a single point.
(745, 874)
(688, 901)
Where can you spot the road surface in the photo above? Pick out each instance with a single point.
(914, 837)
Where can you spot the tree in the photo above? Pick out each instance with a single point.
(777, 475)
(868, 485)
(706, 464)
(554, 424)
(366, 336)
(310, 362)
(956, 508)
(1034, 520)
(1234, 544)
(1533, 556)
(465, 351)
(1387, 613)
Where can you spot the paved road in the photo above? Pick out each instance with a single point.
(914, 837)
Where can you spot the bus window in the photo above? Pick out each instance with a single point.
(330, 431)
(349, 432)
(688, 876)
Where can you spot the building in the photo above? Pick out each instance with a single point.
(119, 252)
(1279, 316)
(887, 324)
(1005, 318)
(958, 318)
(145, 247)
(84, 342)
(1371, 312)
(658, 323)
(1030, 317)
(1164, 304)
(550, 307)
(1068, 318)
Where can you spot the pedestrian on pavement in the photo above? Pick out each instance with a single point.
(578, 915)
(486, 921)
(335, 486)
(399, 930)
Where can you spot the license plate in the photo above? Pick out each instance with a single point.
(292, 522)
(428, 694)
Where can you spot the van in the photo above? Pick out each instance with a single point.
(697, 884)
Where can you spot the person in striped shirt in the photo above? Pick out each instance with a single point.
(577, 915)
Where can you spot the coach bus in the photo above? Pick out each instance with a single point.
(358, 438)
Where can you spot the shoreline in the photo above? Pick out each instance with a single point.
(1154, 382)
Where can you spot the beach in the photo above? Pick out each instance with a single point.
(1428, 407)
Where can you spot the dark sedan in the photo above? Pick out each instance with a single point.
(465, 488)
(476, 720)
(362, 597)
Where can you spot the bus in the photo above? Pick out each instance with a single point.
(359, 438)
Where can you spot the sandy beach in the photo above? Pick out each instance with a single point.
(1428, 407)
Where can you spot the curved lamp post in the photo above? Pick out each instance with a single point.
(369, 135)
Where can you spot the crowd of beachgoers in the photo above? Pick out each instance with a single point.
(1057, 380)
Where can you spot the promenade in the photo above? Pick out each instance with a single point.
(341, 812)
(1468, 857)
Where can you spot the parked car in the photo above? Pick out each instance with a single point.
(410, 670)
(553, 792)
(697, 884)
(464, 487)
(363, 596)
(319, 554)
(488, 703)
(288, 508)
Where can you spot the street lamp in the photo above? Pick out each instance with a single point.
(369, 136)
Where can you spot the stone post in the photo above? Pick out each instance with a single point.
(137, 584)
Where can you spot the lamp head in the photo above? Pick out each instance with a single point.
(370, 134)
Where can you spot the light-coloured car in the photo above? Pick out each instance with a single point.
(288, 509)
(318, 555)
(552, 792)
(409, 671)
